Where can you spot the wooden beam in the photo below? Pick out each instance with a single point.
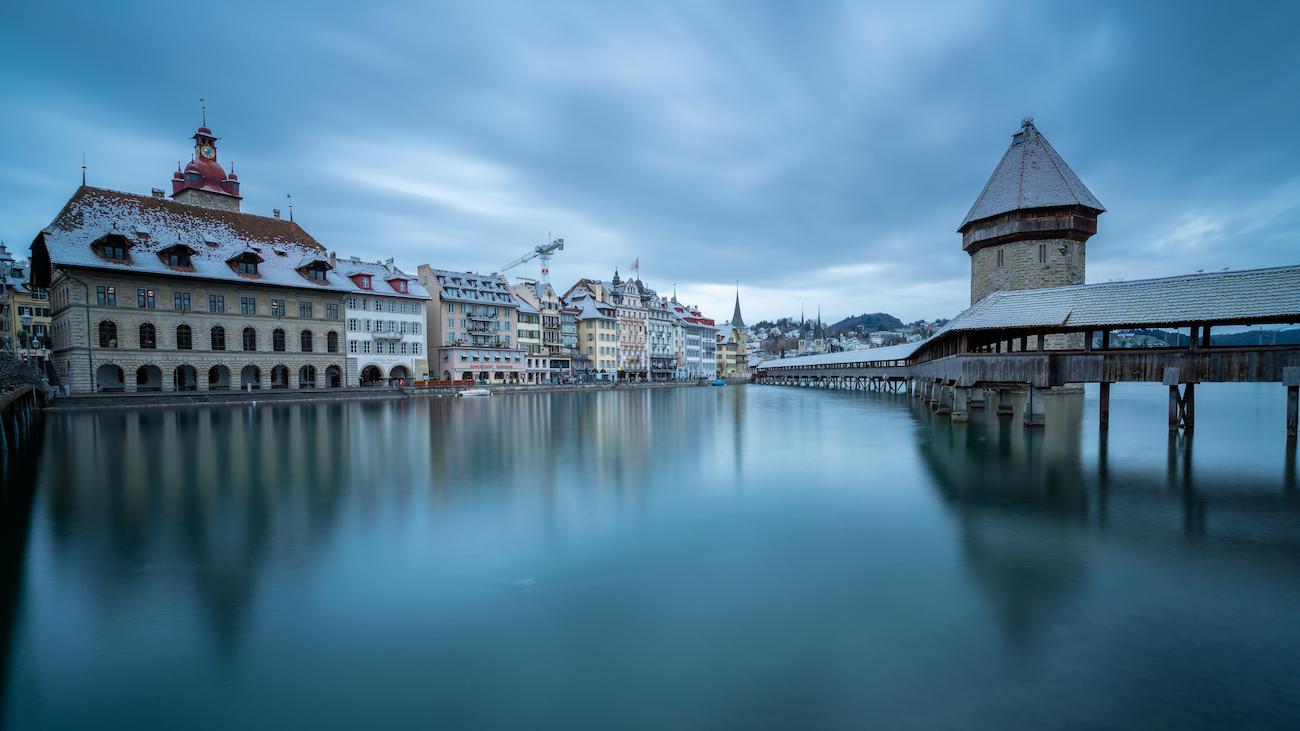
(1103, 411)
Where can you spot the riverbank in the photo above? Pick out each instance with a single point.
(208, 398)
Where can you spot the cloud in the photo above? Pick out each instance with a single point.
(817, 152)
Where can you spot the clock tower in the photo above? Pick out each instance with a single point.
(203, 182)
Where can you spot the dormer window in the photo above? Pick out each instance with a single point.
(114, 247)
(364, 281)
(314, 268)
(177, 256)
(246, 263)
(399, 285)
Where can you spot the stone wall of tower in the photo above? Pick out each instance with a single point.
(1032, 264)
(208, 199)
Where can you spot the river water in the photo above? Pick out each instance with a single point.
(696, 558)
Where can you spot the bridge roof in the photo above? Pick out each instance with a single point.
(1244, 296)
(872, 355)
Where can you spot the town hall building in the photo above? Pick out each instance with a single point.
(188, 294)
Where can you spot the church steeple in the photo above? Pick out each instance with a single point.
(736, 320)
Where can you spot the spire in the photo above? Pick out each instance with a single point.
(1030, 175)
(83, 168)
(736, 320)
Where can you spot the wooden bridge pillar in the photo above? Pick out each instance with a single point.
(943, 404)
(1182, 406)
(1291, 379)
(1004, 401)
(1103, 406)
(1035, 408)
(960, 401)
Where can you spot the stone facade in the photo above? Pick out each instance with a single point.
(80, 356)
(1031, 264)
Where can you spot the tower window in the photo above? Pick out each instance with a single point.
(1001, 257)
(1042, 253)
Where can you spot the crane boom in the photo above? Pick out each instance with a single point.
(542, 251)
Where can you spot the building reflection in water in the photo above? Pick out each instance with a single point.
(1034, 504)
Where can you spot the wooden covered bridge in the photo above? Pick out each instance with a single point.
(1046, 340)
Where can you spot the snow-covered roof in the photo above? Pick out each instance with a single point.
(1246, 295)
(381, 277)
(872, 355)
(523, 305)
(152, 225)
(1030, 175)
(587, 310)
(474, 287)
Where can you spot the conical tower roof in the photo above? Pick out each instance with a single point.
(736, 319)
(1030, 175)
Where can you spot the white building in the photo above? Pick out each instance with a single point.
(385, 322)
(698, 343)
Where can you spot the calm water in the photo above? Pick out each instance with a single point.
(704, 558)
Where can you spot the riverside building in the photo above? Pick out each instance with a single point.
(188, 294)
(24, 312)
(385, 314)
(470, 327)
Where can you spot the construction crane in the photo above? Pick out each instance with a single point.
(543, 252)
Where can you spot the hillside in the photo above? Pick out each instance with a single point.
(865, 323)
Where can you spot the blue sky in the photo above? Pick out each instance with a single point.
(817, 152)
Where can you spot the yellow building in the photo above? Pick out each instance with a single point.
(598, 329)
(24, 312)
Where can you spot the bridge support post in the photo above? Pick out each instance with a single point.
(1291, 379)
(960, 402)
(1182, 406)
(1004, 401)
(975, 398)
(1035, 408)
(1103, 406)
(943, 405)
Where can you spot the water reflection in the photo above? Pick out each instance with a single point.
(1031, 503)
(699, 555)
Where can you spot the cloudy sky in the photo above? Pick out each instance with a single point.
(817, 152)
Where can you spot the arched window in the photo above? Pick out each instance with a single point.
(184, 338)
(250, 339)
(277, 341)
(306, 341)
(218, 338)
(108, 334)
(332, 342)
(148, 338)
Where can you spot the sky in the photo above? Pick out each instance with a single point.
(821, 154)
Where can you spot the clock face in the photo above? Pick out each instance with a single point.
(207, 151)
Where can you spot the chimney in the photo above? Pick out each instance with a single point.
(333, 260)
(389, 266)
(275, 213)
(157, 192)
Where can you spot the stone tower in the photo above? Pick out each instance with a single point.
(1030, 224)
